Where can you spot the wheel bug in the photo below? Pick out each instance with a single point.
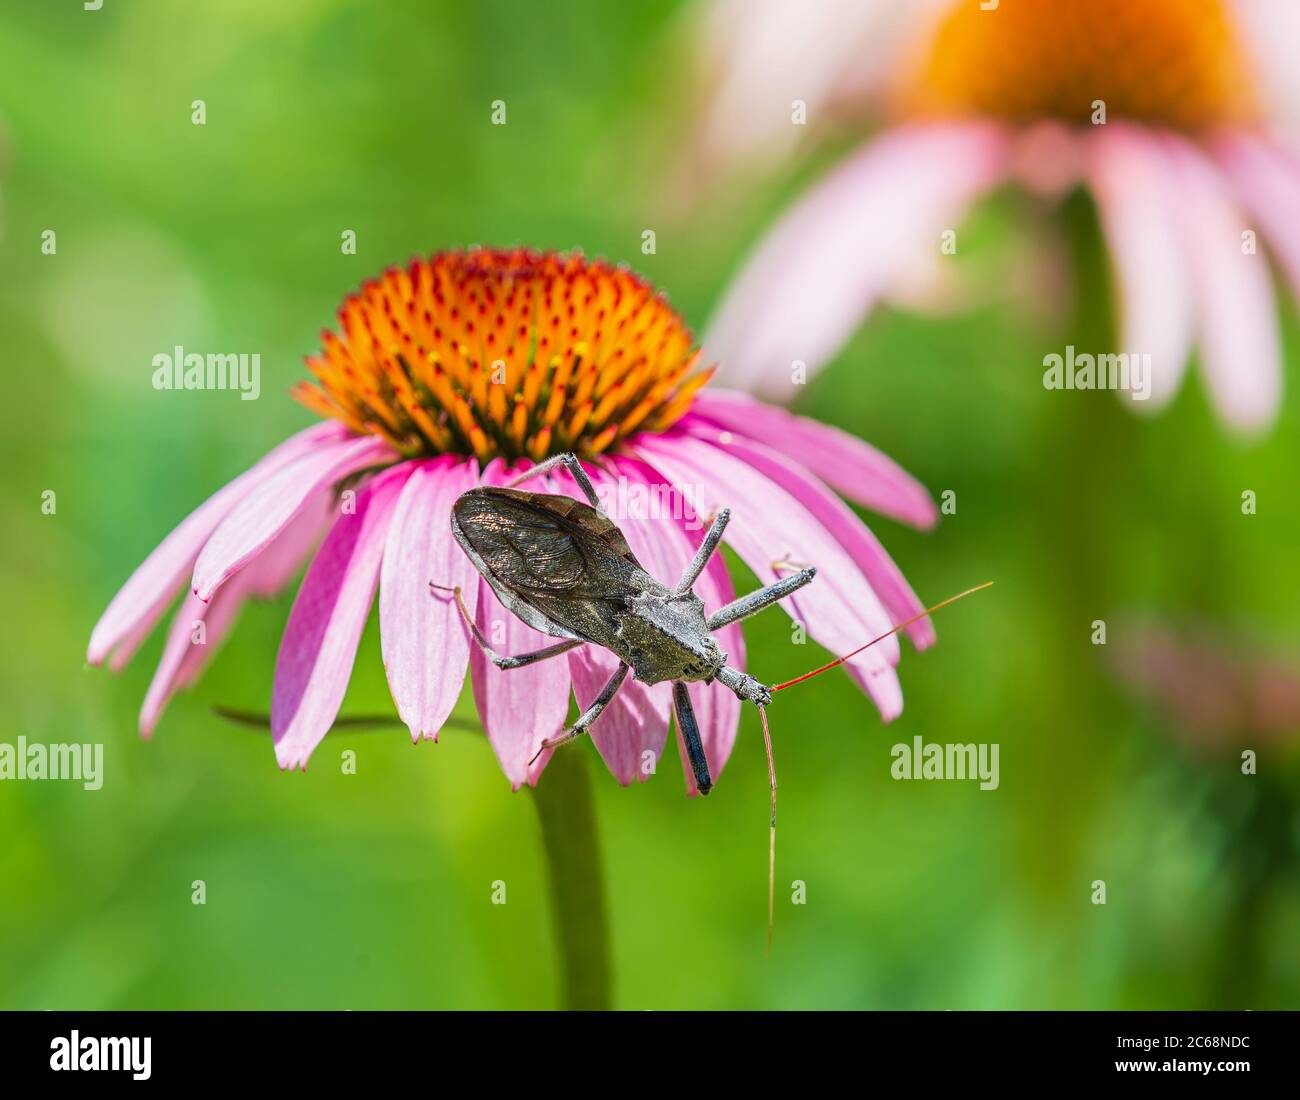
(565, 569)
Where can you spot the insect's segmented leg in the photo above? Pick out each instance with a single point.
(704, 553)
(589, 715)
(690, 730)
(570, 461)
(755, 601)
(521, 660)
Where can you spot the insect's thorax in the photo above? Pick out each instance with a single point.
(666, 638)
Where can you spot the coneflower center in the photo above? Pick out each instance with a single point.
(508, 353)
(1173, 63)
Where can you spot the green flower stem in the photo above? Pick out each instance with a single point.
(1078, 495)
(566, 809)
(1259, 860)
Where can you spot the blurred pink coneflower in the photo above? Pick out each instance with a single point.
(1195, 157)
(464, 369)
(1220, 694)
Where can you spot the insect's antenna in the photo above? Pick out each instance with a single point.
(849, 656)
(771, 843)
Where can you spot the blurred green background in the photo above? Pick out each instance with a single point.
(373, 890)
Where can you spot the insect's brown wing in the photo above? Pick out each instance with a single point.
(557, 563)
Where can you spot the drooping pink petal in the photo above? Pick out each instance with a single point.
(1131, 179)
(885, 578)
(818, 273)
(282, 558)
(199, 628)
(268, 571)
(1235, 309)
(266, 511)
(187, 632)
(425, 641)
(196, 633)
(1267, 181)
(319, 645)
(521, 707)
(846, 463)
(134, 611)
(838, 609)
(125, 647)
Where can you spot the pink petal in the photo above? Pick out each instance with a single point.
(271, 570)
(425, 642)
(182, 658)
(136, 608)
(1131, 179)
(818, 273)
(1237, 321)
(852, 534)
(846, 463)
(1268, 182)
(180, 642)
(522, 707)
(281, 559)
(320, 641)
(125, 647)
(839, 608)
(268, 509)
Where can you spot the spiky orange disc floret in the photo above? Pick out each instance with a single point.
(1175, 63)
(510, 353)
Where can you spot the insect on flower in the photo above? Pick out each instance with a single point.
(446, 380)
(566, 570)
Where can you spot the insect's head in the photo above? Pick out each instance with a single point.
(708, 661)
(703, 657)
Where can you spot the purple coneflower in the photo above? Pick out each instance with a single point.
(465, 369)
(1178, 117)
